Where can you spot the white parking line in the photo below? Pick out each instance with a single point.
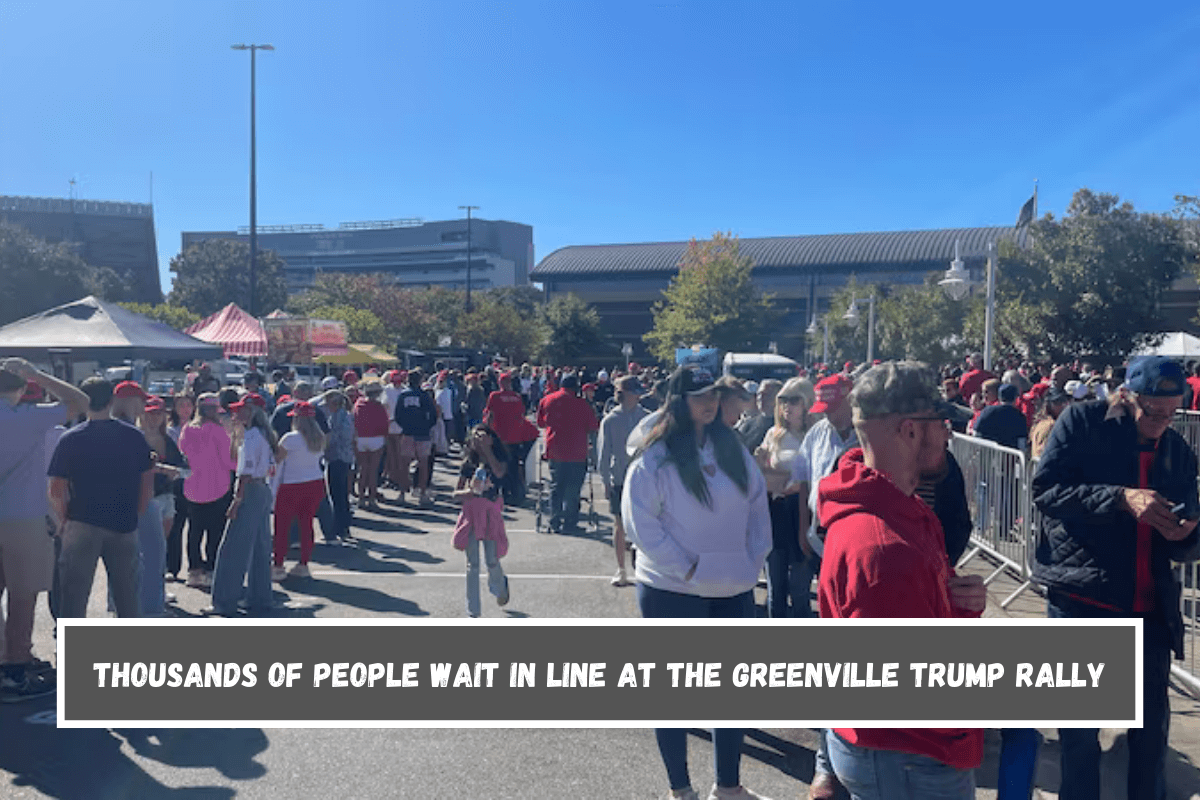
(530, 576)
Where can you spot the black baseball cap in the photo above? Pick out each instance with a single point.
(693, 381)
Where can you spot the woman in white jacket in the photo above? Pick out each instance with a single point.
(695, 504)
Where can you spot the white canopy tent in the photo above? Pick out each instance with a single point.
(1174, 345)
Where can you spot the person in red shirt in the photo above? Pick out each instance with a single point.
(568, 419)
(885, 557)
(973, 378)
(505, 414)
(371, 429)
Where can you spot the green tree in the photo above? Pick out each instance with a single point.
(175, 316)
(571, 330)
(211, 274)
(362, 326)
(401, 312)
(711, 301)
(527, 300)
(494, 326)
(1090, 283)
(35, 275)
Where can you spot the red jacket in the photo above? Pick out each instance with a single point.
(970, 382)
(505, 413)
(885, 556)
(568, 419)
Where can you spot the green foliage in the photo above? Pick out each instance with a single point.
(497, 327)
(711, 301)
(212, 274)
(571, 331)
(176, 317)
(35, 275)
(400, 312)
(362, 326)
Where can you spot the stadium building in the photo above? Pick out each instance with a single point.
(623, 281)
(416, 253)
(104, 234)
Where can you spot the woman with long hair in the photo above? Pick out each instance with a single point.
(246, 547)
(695, 504)
(339, 459)
(482, 517)
(776, 455)
(206, 446)
(301, 487)
(160, 514)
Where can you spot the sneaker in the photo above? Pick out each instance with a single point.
(300, 571)
(620, 579)
(278, 574)
(206, 580)
(683, 794)
(503, 598)
(195, 578)
(170, 598)
(426, 500)
(24, 686)
(37, 666)
(736, 793)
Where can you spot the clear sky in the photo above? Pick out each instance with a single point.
(596, 122)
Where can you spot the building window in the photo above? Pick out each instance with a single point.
(454, 236)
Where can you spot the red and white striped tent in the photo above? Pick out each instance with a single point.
(235, 330)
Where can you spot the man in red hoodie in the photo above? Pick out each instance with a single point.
(885, 557)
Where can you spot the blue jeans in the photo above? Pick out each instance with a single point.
(497, 582)
(1018, 763)
(870, 774)
(1148, 744)
(152, 554)
(672, 742)
(245, 552)
(566, 483)
(787, 579)
(337, 477)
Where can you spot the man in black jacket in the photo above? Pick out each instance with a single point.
(1108, 483)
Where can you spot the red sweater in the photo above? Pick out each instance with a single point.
(370, 418)
(568, 419)
(970, 382)
(885, 556)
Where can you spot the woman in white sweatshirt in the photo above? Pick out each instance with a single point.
(695, 504)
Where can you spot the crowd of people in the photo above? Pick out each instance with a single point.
(843, 476)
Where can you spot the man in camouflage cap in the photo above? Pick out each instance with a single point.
(885, 556)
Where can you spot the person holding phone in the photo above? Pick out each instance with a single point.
(1117, 487)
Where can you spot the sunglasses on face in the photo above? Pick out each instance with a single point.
(787, 401)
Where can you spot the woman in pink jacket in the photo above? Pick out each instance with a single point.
(209, 452)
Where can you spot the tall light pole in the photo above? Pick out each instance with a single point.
(253, 175)
(468, 209)
(957, 284)
(851, 316)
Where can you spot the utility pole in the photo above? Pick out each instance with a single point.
(468, 209)
(253, 175)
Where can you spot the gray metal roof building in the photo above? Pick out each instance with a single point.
(623, 281)
(104, 234)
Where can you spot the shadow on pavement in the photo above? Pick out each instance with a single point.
(76, 764)
(360, 597)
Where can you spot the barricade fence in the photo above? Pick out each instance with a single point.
(1006, 521)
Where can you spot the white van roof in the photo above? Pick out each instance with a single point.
(758, 358)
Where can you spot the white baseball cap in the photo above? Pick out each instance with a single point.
(329, 382)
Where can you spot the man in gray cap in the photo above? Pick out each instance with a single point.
(885, 556)
(1117, 487)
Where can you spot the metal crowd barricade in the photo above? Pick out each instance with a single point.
(997, 485)
(1187, 424)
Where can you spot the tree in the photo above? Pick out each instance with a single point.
(210, 275)
(362, 326)
(527, 300)
(36, 275)
(400, 311)
(494, 326)
(711, 301)
(572, 330)
(1090, 283)
(175, 316)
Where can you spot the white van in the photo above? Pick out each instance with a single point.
(758, 367)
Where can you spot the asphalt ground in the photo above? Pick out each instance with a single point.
(403, 564)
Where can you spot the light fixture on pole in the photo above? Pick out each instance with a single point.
(468, 209)
(957, 282)
(851, 316)
(253, 48)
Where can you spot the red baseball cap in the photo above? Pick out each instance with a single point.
(303, 409)
(155, 404)
(349, 377)
(589, 387)
(284, 398)
(831, 393)
(129, 389)
(32, 392)
(249, 399)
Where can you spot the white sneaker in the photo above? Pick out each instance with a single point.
(195, 578)
(300, 571)
(683, 794)
(278, 574)
(736, 793)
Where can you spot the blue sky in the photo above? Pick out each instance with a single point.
(604, 121)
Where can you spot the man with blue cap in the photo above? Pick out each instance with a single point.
(1117, 487)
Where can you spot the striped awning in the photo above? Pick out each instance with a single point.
(235, 330)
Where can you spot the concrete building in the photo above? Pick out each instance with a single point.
(104, 234)
(416, 253)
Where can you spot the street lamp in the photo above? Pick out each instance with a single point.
(851, 316)
(468, 209)
(957, 283)
(812, 328)
(253, 180)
